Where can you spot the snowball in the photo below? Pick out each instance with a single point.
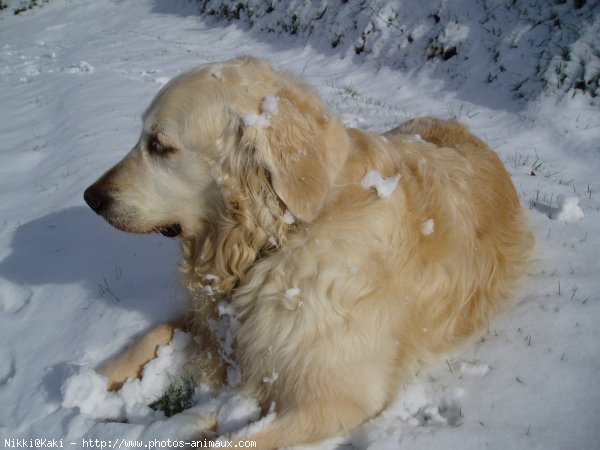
(270, 105)
(568, 210)
(427, 227)
(384, 186)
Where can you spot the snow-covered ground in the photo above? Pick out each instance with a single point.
(74, 80)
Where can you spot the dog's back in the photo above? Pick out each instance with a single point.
(386, 282)
(482, 243)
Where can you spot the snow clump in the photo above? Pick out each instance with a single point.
(218, 75)
(224, 328)
(237, 412)
(257, 119)
(288, 218)
(269, 107)
(82, 67)
(428, 227)
(291, 299)
(384, 186)
(292, 292)
(568, 210)
(88, 390)
(271, 378)
(474, 368)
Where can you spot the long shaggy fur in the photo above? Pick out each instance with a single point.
(343, 303)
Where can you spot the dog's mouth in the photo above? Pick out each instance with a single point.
(170, 231)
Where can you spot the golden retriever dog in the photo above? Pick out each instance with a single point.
(348, 257)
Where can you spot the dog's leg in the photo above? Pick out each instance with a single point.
(131, 362)
(308, 423)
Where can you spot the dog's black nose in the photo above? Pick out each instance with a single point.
(172, 230)
(96, 199)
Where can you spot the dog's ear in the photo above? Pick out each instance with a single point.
(300, 145)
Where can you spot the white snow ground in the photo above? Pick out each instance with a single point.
(74, 80)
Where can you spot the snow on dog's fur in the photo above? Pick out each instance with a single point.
(337, 288)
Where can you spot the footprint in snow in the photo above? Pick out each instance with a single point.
(447, 413)
(424, 405)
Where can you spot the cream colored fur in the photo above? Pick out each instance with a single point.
(379, 293)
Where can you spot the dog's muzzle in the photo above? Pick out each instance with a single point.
(97, 199)
(100, 201)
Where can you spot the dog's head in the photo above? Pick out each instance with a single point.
(207, 136)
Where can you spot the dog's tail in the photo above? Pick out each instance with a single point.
(443, 133)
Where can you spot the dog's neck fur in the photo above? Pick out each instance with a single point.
(247, 226)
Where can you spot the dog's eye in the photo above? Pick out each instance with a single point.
(155, 147)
